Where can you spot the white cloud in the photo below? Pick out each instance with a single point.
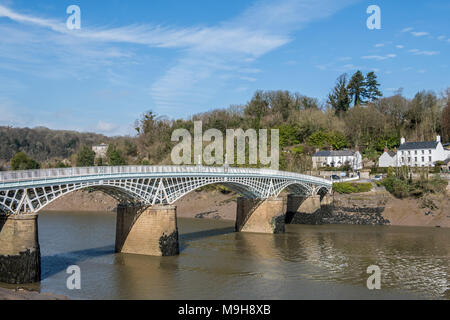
(399, 46)
(378, 45)
(441, 38)
(205, 51)
(379, 58)
(106, 127)
(419, 34)
(407, 29)
(424, 53)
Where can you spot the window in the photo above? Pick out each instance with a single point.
(423, 151)
(429, 151)
(429, 159)
(415, 159)
(423, 159)
(415, 151)
(409, 159)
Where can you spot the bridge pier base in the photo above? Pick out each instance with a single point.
(301, 208)
(20, 256)
(149, 231)
(261, 216)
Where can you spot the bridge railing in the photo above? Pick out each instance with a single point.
(44, 174)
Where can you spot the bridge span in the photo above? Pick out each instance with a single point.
(146, 217)
(30, 191)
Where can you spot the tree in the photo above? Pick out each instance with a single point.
(357, 88)
(339, 98)
(446, 122)
(21, 161)
(337, 140)
(257, 108)
(372, 92)
(115, 157)
(85, 157)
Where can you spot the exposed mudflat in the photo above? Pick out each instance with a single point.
(218, 205)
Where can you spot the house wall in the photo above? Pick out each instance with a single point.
(421, 157)
(386, 161)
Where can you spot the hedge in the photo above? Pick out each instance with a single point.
(349, 187)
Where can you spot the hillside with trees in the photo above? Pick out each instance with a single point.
(355, 115)
(43, 144)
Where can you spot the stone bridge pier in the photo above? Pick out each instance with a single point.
(305, 209)
(147, 230)
(260, 215)
(20, 256)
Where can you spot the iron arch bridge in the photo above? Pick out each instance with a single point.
(23, 192)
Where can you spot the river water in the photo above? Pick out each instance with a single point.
(307, 262)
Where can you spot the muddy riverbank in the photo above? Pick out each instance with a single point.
(376, 207)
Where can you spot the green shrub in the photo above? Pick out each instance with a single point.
(348, 187)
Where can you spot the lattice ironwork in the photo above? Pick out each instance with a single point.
(24, 192)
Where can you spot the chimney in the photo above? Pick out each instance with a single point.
(386, 150)
(317, 150)
(402, 140)
(438, 138)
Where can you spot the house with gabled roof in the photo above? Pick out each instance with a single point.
(337, 158)
(421, 154)
(387, 159)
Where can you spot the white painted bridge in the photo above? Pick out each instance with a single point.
(23, 192)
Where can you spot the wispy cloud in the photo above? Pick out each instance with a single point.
(377, 57)
(419, 34)
(205, 51)
(423, 52)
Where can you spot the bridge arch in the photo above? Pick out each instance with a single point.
(31, 191)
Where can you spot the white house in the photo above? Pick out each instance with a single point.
(387, 159)
(100, 150)
(421, 154)
(337, 158)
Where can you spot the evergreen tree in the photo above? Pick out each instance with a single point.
(85, 157)
(21, 161)
(357, 88)
(339, 99)
(372, 92)
(115, 157)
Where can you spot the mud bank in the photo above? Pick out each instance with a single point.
(371, 208)
(379, 208)
(21, 294)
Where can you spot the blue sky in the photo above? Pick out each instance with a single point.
(179, 58)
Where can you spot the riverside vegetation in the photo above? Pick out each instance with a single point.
(355, 115)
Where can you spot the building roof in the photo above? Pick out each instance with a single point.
(419, 145)
(334, 153)
(392, 153)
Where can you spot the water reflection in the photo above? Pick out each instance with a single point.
(307, 262)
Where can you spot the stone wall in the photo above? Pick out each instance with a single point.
(343, 209)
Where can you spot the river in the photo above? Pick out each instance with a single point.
(307, 262)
